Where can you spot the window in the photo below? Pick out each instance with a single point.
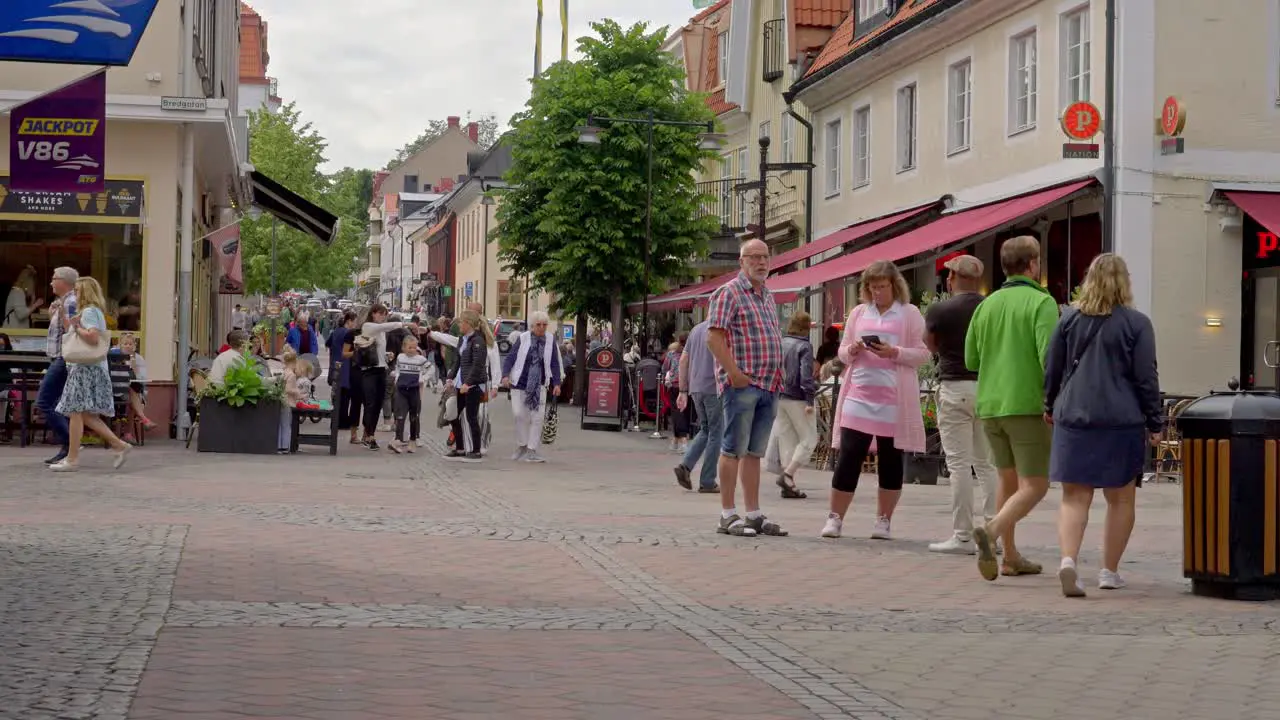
(867, 8)
(862, 146)
(833, 157)
(959, 106)
(726, 167)
(724, 59)
(410, 184)
(743, 171)
(906, 127)
(788, 137)
(1075, 56)
(766, 129)
(510, 299)
(1022, 82)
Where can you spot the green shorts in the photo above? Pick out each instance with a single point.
(1019, 442)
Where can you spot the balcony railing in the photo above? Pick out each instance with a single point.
(725, 202)
(774, 49)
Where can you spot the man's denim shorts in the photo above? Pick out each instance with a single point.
(748, 420)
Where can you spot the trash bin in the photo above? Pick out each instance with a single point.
(1230, 464)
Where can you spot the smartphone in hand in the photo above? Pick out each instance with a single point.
(871, 340)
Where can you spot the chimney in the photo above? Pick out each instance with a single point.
(454, 121)
(473, 132)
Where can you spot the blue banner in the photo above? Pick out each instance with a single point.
(83, 32)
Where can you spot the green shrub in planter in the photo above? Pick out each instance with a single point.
(242, 414)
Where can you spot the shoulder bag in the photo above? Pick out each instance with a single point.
(78, 351)
(551, 423)
(1084, 347)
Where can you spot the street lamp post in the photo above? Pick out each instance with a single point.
(589, 134)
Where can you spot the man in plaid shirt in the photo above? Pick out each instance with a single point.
(55, 378)
(746, 341)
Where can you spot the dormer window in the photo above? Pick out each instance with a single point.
(871, 15)
(722, 67)
(868, 8)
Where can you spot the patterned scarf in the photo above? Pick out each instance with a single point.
(533, 372)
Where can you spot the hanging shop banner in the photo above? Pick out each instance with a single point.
(58, 140)
(225, 243)
(119, 202)
(80, 32)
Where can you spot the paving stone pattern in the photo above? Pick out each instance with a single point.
(374, 586)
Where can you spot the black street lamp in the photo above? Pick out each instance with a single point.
(589, 134)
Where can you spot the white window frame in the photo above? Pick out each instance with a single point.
(726, 192)
(959, 100)
(1075, 61)
(861, 146)
(788, 137)
(744, 162)
(867, 8)
(831, 147)
(908, 114)
(1023, 81)
(722, 67)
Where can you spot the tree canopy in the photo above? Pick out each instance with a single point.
(487, 131)
(574, 216)
(291, 152)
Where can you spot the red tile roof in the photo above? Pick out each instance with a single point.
(821, 13)
(253, 47)
(710, 11)
(716, 101)
(842, 43)
(718, 104)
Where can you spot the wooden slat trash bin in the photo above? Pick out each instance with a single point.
(1231, 474)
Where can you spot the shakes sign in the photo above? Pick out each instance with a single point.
(57, 141)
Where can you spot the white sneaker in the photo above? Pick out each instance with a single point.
(121, 456)
(1110, 580)
(833, 526)
(954, 545)
(62, 466)
(419, 443)
(1070, 579)
(533, 457)
(881, 530)
(519, 453)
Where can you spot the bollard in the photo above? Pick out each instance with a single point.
(1230, 476)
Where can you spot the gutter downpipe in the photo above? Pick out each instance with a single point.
(789, 97)
(188, 207)
(1109, 136)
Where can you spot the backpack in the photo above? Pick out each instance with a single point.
(366, 354)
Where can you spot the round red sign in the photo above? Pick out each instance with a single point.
(1081, 120)
(1173, 117)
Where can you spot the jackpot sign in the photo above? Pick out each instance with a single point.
(57, 141)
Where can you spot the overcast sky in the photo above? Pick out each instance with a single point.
(370, 74)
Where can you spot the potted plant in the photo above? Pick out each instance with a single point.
(241, 414)
(271, 345)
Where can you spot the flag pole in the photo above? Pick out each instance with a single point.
(564, 30)
(537, 44)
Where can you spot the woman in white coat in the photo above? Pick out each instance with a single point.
(532, 365)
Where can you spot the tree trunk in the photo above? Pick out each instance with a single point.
(580, 346)
(615, 318)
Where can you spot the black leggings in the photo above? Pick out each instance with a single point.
(468, 439)
(854, 447)
(375, 393)
(408, 403)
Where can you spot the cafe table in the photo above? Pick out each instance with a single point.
(26, 368)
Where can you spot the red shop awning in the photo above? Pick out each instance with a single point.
(943, 231)
(1261, 206)
(683, 298)
(845, 236)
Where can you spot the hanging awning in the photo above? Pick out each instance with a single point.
(846, 236)
(939, 233)
(292, 209)
(685, 296)
(1261, 206)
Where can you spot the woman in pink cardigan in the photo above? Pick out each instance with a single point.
(879, 394)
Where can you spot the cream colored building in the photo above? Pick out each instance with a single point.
(945, 106)
(128, 237)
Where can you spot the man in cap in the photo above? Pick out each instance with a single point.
(963, 440)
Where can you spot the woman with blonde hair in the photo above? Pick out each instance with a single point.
(880, 395)
(22, 302)
(86, 398)
(1102, 396)
(795, 430)
(471, 378)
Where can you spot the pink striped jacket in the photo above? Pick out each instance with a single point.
(909, 433)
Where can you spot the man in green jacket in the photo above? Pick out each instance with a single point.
(1006, 345)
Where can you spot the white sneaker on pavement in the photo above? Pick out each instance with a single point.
(954, 545)
(419, 443)
(533, 457)
(1110, 580)
(833, 526)
(881, 530)
(1070, 579)
(519, 453)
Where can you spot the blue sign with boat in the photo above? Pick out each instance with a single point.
(79, 32)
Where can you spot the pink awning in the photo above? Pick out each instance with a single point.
(845, 236)
(943, 231)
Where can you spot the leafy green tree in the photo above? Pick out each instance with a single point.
(289, 150)
(486, 131)
(574, 216)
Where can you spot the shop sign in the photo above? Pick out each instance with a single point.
(58, 140)
(184, 104)
(273, 307)
(88, 32)
(1173, 120)
(1261, 246)
(120, 201)
(1081, 122)
(471, 287)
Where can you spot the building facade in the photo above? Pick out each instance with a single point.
(127, 238)
(258, 91)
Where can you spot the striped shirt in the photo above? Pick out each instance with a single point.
(871, 405)
(67, 308)
(409, 370)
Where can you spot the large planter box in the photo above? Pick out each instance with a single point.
(248, 430)
(922, 469)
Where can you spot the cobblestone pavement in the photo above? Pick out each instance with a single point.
(374, 586)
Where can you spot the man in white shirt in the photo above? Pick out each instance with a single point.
(237, 340)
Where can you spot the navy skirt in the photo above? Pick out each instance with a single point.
(1098, 457)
